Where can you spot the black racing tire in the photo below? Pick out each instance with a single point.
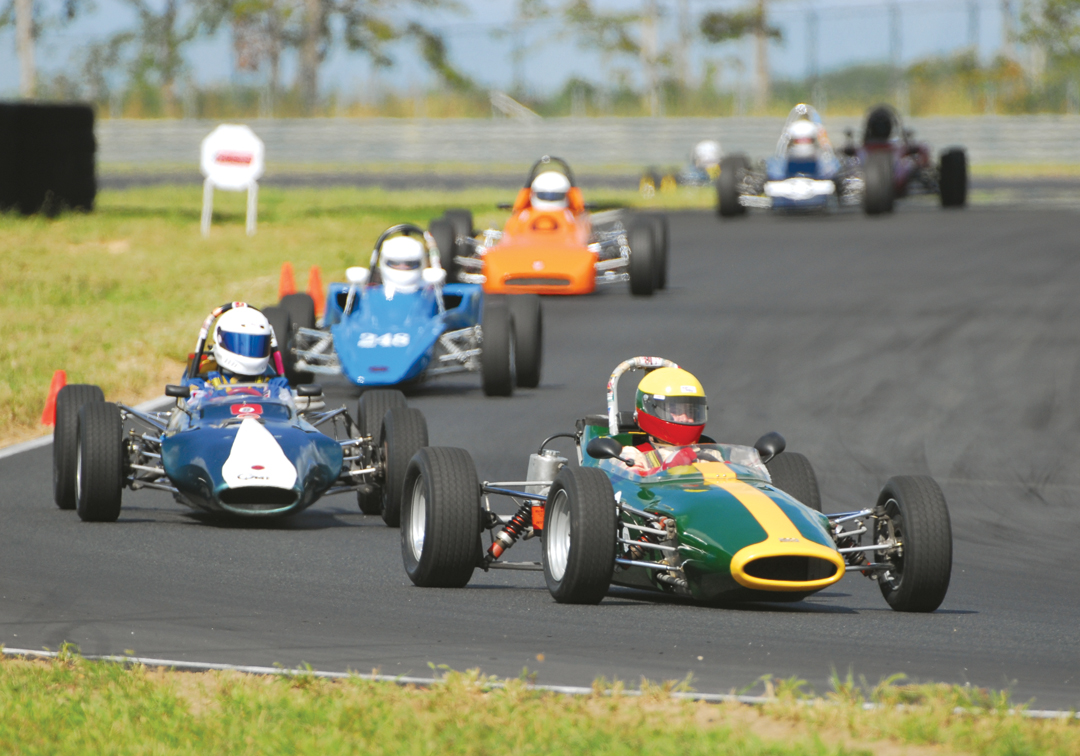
(69, 401)
(440, 518)
(878, 193)
(727, 186)
(372, 407)
(528, 317)
(579, 536)
(462, 221)
(301, 309)
(793, 474)
(404, 432)
(916, 513)
(643, 253)
(282, 323)
(498, 362)
(369, 500)
(953, 177)
(660, 234)
(442, 231)
(100, 462)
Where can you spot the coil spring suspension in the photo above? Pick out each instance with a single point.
(508, 536)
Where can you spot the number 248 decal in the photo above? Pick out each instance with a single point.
(372, 340)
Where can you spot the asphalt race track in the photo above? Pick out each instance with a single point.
(926, 342)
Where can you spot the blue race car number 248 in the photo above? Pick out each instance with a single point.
(371, 340)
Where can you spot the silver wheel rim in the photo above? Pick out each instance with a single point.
(557, 534)
(417, 519)
(78, 470)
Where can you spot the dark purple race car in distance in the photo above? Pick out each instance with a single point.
(894, 165)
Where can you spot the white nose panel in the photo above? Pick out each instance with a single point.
(256, 459)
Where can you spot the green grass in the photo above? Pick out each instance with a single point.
(116, 297)
(71, 705)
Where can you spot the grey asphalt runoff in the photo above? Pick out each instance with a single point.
(928, 342)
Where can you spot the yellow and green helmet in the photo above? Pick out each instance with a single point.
(671, 406)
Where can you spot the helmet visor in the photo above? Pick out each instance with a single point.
(403, 264)
(551, 196)
(681, 410)
(245, 344)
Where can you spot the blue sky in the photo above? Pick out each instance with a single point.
(849, 31)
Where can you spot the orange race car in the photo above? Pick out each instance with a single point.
(552, 245)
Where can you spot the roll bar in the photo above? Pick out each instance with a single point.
(634, 363)
(408, 229)
(546, 161)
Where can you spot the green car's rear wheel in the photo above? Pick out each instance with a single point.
(792, 473)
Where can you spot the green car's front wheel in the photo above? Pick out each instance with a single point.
(440, 518)
(911, 514)
(579, 536)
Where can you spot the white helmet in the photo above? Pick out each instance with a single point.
(401, 262)
(706, 154)
(242, 342)
(802, 140)
(549, 191)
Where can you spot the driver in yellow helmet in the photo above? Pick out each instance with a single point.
(671, 408)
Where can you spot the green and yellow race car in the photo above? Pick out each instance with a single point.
(719, 523)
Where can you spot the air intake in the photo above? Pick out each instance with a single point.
(796, 569)
(258, 498)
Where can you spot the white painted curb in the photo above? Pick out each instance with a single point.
(569, 690)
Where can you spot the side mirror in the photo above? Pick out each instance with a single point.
(604, 447)
(434, 276)
(309, 389)
(178, 392)
(770, 445)
(357, 276)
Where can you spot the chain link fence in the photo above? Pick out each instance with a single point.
(353, 144)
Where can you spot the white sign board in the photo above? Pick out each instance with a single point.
(232, 158)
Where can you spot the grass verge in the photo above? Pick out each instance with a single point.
(71, 705)
(115, 297)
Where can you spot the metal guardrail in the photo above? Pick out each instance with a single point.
(353, 143)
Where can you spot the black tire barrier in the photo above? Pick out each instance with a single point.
(47, 158)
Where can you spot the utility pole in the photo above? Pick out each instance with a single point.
(682, 51)
(895, 51)
(812, 45)
(1008, 31)
(24, 43)
(973, 28)
(648, 55)
(309, 55)
(761, 48)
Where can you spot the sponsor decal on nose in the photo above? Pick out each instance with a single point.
(246, 410)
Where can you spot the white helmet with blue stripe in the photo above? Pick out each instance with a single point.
(242, 342)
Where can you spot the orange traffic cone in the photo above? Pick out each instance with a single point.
(286, 284)
(315, 289)
(48, 415)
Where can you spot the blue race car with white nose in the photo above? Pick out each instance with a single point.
(398, 322)
(804, 173)
(253, 448)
